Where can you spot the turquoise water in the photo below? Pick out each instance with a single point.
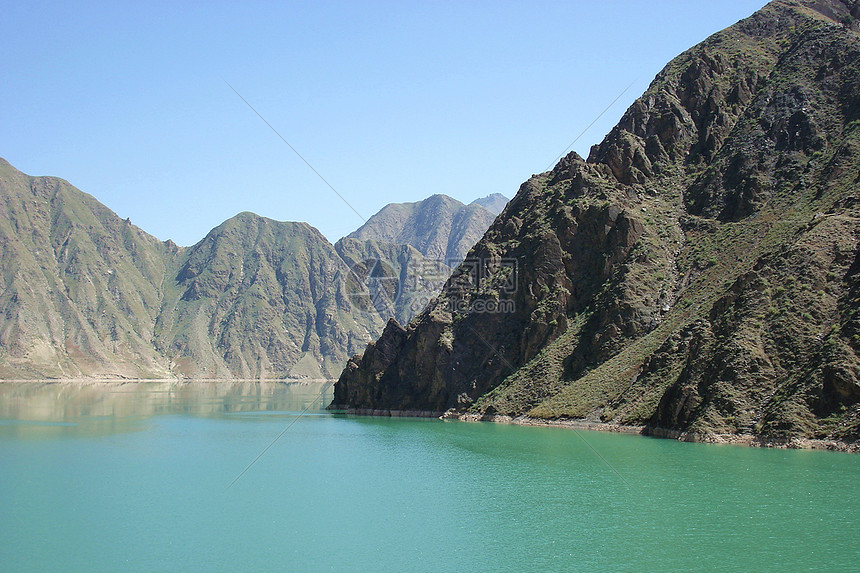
(137, 478)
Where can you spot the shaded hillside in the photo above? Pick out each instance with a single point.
(439, 227)
(697, 274)
(85, 293)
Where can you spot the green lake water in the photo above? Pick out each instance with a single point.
(136, 477)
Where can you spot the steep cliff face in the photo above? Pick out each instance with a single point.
(697, 273)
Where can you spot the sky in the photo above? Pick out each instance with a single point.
(132, 102)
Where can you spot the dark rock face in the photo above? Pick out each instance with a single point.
(377, 357)
(697, 273)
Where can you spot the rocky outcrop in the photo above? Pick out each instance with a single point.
(695, 275)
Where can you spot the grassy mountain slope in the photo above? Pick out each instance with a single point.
(697, 274)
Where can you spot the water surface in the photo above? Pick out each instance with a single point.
(124, 477)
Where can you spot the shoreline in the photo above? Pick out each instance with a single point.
(384, 413)
(748, 440)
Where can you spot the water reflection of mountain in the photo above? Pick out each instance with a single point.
(110, 406)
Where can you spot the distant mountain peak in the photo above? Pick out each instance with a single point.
(439, 227)
(494, 203)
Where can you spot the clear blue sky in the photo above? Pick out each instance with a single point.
(389, 101)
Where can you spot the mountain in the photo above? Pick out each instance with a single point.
(404, 253)
(81, 290)
(698, 274)
(259, 298)
(494, 203)
(439, 227)
(85, 293)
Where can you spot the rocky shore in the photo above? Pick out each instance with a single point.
(705, 438)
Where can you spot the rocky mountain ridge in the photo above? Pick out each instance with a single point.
(494, 203)
(439, 227)
(697, 274)
(86, 294)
